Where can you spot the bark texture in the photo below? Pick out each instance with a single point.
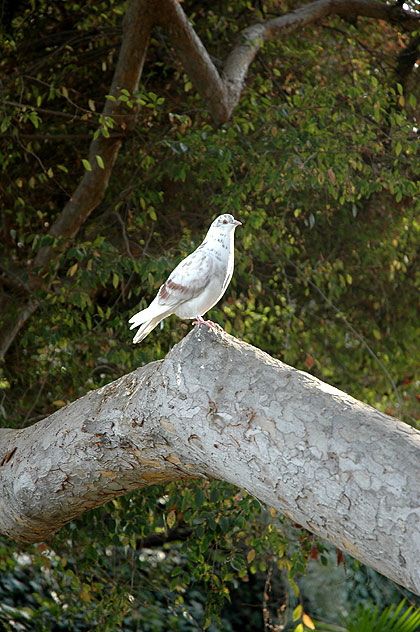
(219, 408)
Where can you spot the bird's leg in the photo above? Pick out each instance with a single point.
(200, 321)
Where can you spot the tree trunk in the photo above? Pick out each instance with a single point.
(219, 408)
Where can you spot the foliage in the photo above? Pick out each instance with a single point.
(155, 555)
(320, 162)
(368, 619)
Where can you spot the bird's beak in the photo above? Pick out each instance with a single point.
(237, 223)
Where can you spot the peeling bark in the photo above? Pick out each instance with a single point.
(221, 409)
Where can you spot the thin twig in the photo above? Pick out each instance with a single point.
(41, 388)
(124, 234)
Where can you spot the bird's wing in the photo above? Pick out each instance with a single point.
(188, 280)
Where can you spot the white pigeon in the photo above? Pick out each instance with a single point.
(197, 283)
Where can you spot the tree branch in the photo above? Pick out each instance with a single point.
(218, 408)
(195, 59)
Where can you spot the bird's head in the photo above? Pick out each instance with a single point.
(226, 221)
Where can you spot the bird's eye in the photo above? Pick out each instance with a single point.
(225, 221)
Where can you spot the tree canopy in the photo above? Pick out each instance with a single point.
(125, 128)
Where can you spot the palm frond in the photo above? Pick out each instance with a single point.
(394, 618)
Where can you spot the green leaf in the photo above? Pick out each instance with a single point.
(86, 164)
(171, 519)
(297, 613)
(72, 270)
(412, 101)
(152, 213)
(100, 161)
(199, 497)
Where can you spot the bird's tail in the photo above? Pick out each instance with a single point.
(147, 320)
(146, 328)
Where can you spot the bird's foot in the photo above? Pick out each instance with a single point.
(208, 323)
(200, 321)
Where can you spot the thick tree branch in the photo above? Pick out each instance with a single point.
(218, 408)
(195, 59)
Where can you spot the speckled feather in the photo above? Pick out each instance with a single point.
(197, 283)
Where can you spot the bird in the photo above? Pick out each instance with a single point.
(197, 283)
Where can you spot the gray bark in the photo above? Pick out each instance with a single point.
(219, 408)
